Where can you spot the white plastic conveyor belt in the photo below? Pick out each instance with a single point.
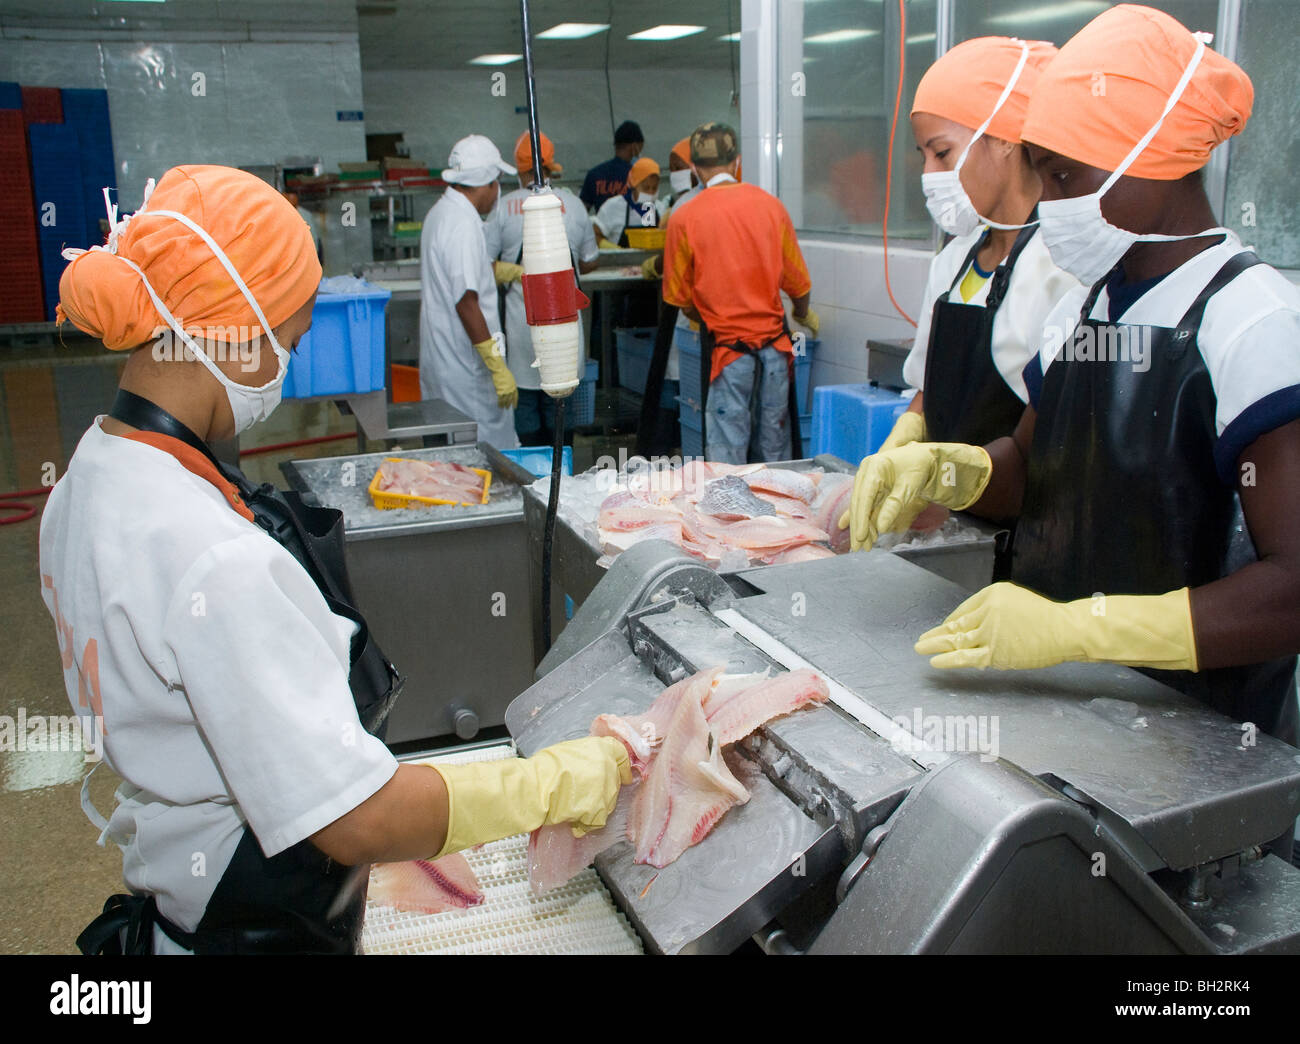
(580, 917)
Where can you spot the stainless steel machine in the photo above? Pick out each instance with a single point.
(1081, 809)
(444, 589)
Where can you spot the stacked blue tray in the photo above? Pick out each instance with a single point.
(11, 95)
(58, 193)
(86, 111)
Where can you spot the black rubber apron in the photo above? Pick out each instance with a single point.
(966, 397)
(657, 433)
(299, 901)
(707, 344)
(1122, 495)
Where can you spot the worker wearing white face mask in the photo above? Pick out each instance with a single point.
(991, 287)
(462, 347)
(638, 207)
(206, 626)
(1154, 473)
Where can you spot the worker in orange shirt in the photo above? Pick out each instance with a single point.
(730, 252)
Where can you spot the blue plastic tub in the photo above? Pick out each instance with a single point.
(343, 352)
(537, 459)
(581, 410)
(852, 420)
(692, 422)
(635, 348)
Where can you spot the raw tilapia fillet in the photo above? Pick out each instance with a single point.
(555, 856)
(426, 886)
(643, 734)
(439, 479)
(785, 483)
(729, 498)
(733, 712)
(688, 789)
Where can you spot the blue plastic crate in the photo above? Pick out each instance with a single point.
(581, 410)
(11, 95)
(343, 352)
(852, 420)
(692, 424)
(805, 435)
(536, 460)
(57, 180)
(635, 347)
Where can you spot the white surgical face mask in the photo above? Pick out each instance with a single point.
(645, 197)
(1077, 234)
(945, 197)
(680, 180)
(248, 405)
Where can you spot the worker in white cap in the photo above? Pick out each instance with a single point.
(535, 412)
(462, 348)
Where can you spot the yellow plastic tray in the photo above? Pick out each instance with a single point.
(386, 501)
(647, 238)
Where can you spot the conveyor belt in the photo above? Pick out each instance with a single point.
(577, 918)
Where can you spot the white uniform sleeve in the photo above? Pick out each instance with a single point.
(611, 216)
(585, 248)
(492, 235)
(935, 284)
(263, 663)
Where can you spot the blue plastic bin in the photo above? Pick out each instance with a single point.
(852, 420)
(343, 352)
(581, 410)
(56, 183)
(692, 422)
(635, 348)
(805, 435)
(537, 459)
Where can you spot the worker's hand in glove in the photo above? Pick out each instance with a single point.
(1012, 628)
(649, 267)
(573, 782)
(910, 427)
(893, 487)
(810, 321)
(506, 272)
(502, 379)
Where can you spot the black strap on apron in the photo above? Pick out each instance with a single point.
(707, 344)
(298, 901)
(654, 434)
(1114, 504)
(966, 397)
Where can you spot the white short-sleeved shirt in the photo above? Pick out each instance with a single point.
(221, 674)
(453, 261)
(1036, 285)
(504, 233)
(616, 214)
(1249, 339)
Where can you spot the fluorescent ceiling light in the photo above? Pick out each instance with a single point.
(572, 31)
(495, 59)
(1051, 12)
(668, 32)
(841, 36)
(136, 1)
(922, 38)
(731, 37)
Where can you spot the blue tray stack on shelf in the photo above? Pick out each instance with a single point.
(58, 193)
(86, 111)
(21, 300)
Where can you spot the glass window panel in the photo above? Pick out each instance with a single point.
(838, 62)
(1058, 20)
(1263, 198)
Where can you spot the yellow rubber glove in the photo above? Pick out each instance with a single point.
(573, 782)
(502, 379)
(892, 488)
(649, 267)
(506, 272)
(1012, 628)
(604, 244)
(910, 427)
(810, 322)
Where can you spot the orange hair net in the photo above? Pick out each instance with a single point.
(1111, 82)
(965, 84)
(265, 238)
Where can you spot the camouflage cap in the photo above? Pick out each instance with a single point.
(713, 145)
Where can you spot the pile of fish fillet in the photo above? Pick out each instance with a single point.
(438, 479)
(682, 787)
(719, 512)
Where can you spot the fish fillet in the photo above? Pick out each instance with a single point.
(439, 479)
(555, 856)
(687, 790)
(616, 541)
(803, 553)
(736, 711)
(642, 734)
(426, 886)
(760, 535)
(729, 498)
(834, 495)
(799, 485)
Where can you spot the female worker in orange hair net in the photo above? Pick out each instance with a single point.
(205, 626)
(992, 285)
(1156, 474)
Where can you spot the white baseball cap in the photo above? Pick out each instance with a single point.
(475, 161)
